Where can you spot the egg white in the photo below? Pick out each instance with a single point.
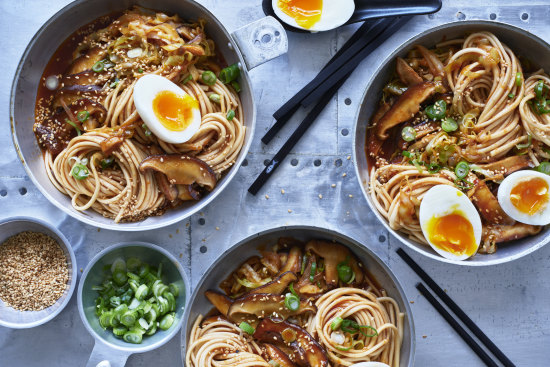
(145, 90)
(442, 200)
(540, 218)
(333, 14)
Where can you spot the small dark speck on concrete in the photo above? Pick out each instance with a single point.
(3, 192)
(266, 162)
(317, 162)
(294, 162)
(245, 163)
(345, 132)
(338, 162)
(23, 190)
(202, 221)
(203, 249)
(381, 238)
(347, 101)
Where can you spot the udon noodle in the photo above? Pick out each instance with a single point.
(298, 304)
(499, 129)
(113, 141)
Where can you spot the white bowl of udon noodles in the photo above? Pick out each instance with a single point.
(252, 279)
(178, 40)
(504, 126)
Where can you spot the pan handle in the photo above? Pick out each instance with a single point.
(261, 41)
(105, 356)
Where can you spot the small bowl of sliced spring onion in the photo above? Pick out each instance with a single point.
(131, 299)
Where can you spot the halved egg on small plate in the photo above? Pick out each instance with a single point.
(170, 113)
(314, 15)
(450, 222)
(525, 196)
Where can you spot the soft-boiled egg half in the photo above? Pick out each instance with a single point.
(524, 196)
(314, 15)
(450, 222)
(170, 113)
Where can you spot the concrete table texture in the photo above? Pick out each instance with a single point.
(510, 302)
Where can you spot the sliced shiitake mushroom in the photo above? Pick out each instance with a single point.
(181, 169)
(265, 305)
(334, 254)
(293, 262)
(407, 74)
(187, 193)
(275, 354)
(277, 285)
(86, 61)
(73, 93)
(220, 301)
(488, 205)
(308, 352)
(404, 109)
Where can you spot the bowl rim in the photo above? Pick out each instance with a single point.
(135, 226)
(325, 231)
(132, 348)
(72, 282)
(413, 245)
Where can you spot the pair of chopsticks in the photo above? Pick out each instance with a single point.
(459, 313)
(321, 89)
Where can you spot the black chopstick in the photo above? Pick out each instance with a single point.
(326, 79)
(363, 39)
(454, 307)
(455, 325)
(294, 138)
(283, 119)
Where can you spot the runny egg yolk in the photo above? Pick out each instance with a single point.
(305, 12)
(530, 196)
(452, 233)
(175, 112)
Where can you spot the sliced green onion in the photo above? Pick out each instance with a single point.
(540, 107)
(167, 321)
(245, 326)
(119, 331)
(229, 74)
(236, 86)
(370, 328)
(449, 125)
(408, 133)
(118, 265)
(407, 154)
(146, 131)
(208, 77)
(142, 291)
(358, 345)
(107, 162)
(74, 125)
(132, 337)
(543, 167)
(98, 67)
(174, 289)
(437, 111)
(525, 145)
(187, 79)
(273, 363)
(120, 277)
(80, 171)
(312, 271)
(336, 323)
(343, 349)
(511, 95)
(140, 70)
(519, 79)
(214, 97)
(291, 287)
(292, 302)
(462, 169)
(434, 167)
(128, 318)
(82, 115)
(344, 271)
(230, 115)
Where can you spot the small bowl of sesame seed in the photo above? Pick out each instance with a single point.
(38, 272)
